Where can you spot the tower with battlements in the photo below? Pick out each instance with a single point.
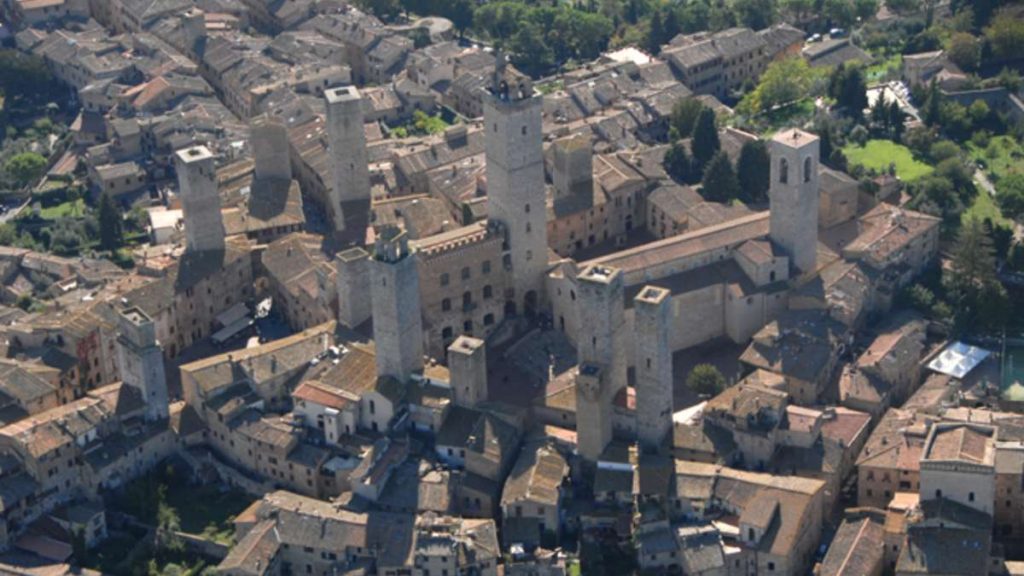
(200, 202)
(141, 361)
(652, 313)
(350, 191)
(794, 196)
(395, 289)
(515, 179)
(601, 350)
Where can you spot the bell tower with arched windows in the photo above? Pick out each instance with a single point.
(794, 196)
(515, 178)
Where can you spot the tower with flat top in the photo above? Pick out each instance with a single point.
(515, 179)
(200, 202)
(350, 190)
(467, 367)
(602, 370)
(395, 289)
(793, 196)
(141, 361)
(270, 149)
(652, 313)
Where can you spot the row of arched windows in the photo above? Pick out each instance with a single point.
(784, 170)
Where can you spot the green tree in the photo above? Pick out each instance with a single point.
(865, 9)
(25, 301)
(799, 10)
(979, 112)
(902, 6)
(705, 379)
(26, 167)
(964, 50)
(880, 112)
(848, 87)
(383, 9)
(1010, 195)
(655, 33)
(684, 116)
(783, 81)
(111, 224)
(972, 273)
(752, 171)
(678, 164)
(943, 150)
(460, 12)
(1015, 257)
(825, 145)
(839, 12)
(936, 196)
(26, 77)
(896, 118)
(705, 137)
(420, 37)
(755, 14)
(427, 124)
(532, 53)
(932, 112)
(720, 183)
(1006, 36)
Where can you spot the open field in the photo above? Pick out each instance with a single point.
(878, 154)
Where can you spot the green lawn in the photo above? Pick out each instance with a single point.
(880, 70)
(878, 154)
(75, 209)
(985, 207)
(1003, 156)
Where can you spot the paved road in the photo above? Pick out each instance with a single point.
(14, 211)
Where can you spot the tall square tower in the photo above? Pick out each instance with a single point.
(200, 202)
(141, 361)
(602, 354)
(651, 309)
(270, 149)
(353, 286)
(793, 195)
(350, 192)
(467, 367)
(601, 311)
(515, 178)
(397, 324)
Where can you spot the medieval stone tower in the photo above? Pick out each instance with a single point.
(197, 184)
(353, 286)
(395, 289)
(515, 179)
(350, 192)
(270, 149)
(652, 312)
(794, 196)
(573, 173)
(467, 366)
(141, 361)
(602, 370)
(193, 27)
